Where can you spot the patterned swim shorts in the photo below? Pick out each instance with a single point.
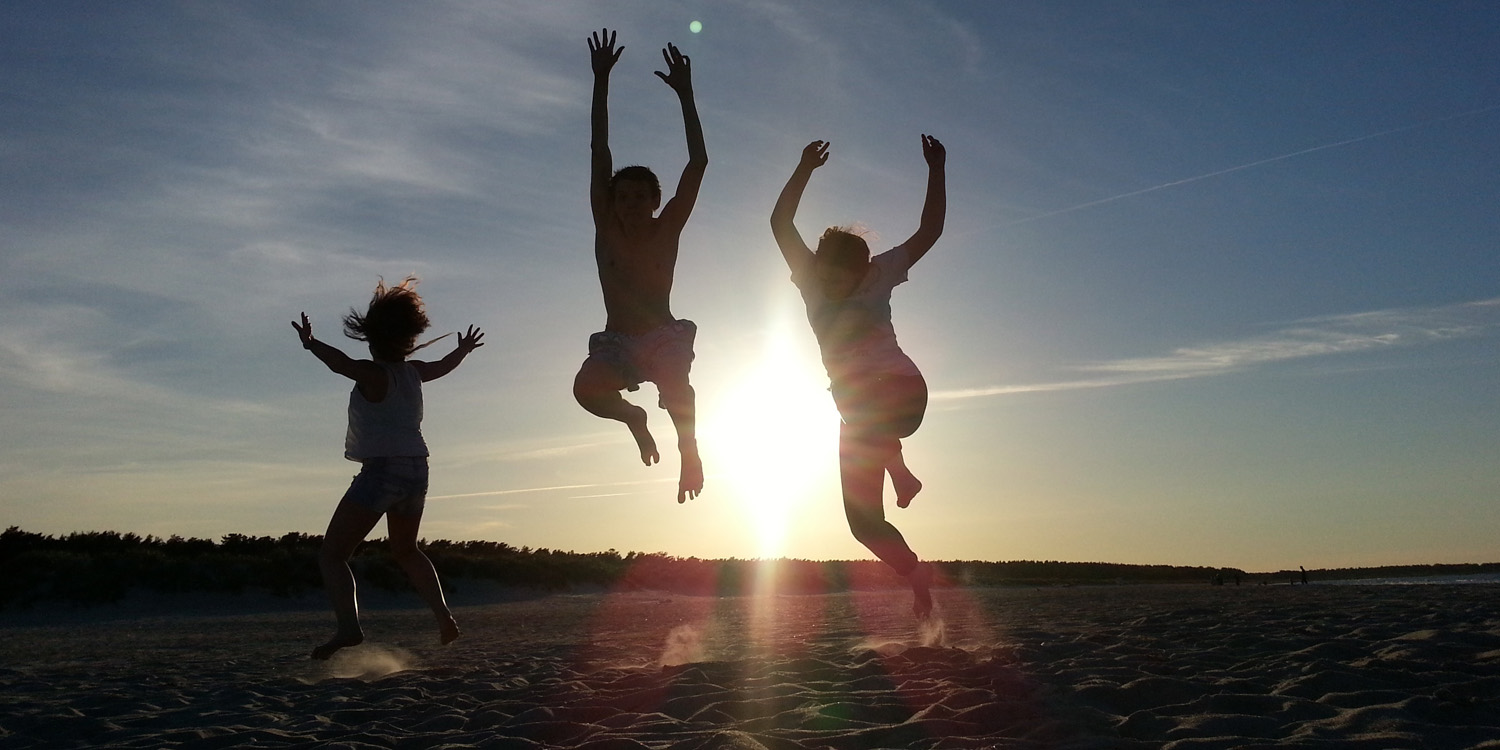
(638, 359)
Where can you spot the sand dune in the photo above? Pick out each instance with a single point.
(1125, 667)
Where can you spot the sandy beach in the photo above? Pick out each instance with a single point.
(1107, 667)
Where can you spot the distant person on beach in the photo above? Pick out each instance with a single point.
(636, 252)
(879, 392)
(385, 436)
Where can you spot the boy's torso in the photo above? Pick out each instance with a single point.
(635, 274)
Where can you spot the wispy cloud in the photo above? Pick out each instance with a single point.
(556, 451)
(1312, 337)
(1251, 165)
(520, 491)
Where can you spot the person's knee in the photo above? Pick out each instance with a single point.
(585, 388)
(677, 396)
(674, 391)
(908, 415)
(405, 553)
(592, 390)
(332, 555)
(402, 542)
(865, 525)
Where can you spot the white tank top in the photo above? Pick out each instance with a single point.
(392, 427)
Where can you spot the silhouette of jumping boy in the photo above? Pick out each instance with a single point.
(636, 252)
(385, 436)
(880, 393)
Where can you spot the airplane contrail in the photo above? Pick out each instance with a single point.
(1261, 162)
(554, 488)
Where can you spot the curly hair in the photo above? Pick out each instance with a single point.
(392, 323)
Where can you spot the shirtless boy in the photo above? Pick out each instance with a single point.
(636, 250)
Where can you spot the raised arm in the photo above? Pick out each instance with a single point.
(679, 76)
(793, 249)
(467, 342)
(935, 205)
(362, 371)
(602, 56)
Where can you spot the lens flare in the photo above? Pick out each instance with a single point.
(773, 438)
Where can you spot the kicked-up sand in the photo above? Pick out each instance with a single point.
(1091, 667)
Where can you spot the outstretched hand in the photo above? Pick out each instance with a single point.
(933, 152)
(602, 52)
(814, 155)
(469, 340)
(304, 331)
(679, 73)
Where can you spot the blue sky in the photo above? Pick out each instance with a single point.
(1219, 284)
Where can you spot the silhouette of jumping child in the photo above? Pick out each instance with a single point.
(385, 436)
(879, 392)
(636, 252)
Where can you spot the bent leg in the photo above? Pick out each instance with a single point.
(891, 406)
(903, 401)
(348, 527)
(863, 459)
(679, 399)
(906, 484)
(597, 388)
(402, 531)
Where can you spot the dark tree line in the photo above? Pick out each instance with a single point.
(100, 567)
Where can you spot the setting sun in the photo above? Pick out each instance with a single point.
(773, 438)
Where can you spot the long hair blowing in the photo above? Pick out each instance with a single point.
(395, 318)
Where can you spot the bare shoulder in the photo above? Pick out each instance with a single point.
(367, 367)
(425, 370)
(674, 216)
(367, 373)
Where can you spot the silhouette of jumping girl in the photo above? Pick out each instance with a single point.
(880, 393)
(385, 436)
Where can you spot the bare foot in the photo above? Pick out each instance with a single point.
(921, 586)
(643, 439)
(907, 486)
(690, 482)
(341, 640)
(448, 631)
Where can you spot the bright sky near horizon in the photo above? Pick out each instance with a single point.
(1220, 281)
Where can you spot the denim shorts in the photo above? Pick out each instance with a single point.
(396, 485)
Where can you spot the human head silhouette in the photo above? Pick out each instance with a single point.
(635, 192)
(840, 261)
(393, 321)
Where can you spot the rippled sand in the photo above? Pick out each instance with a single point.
(1111, 667)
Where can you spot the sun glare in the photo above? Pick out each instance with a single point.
(773, 440)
